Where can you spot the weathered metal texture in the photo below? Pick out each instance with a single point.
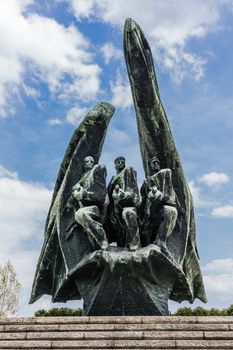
(127, 283)
(156, 139)
(59, 255)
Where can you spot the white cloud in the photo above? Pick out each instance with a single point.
(75, 115)
(214, 179)
(30, 91)
(110, 52)
(39, 47)
(23, 206)
(225, 211)
(54, 121)
(200, 201)
(5, 173)
(218, 280)
(168, 27)
(121, 93)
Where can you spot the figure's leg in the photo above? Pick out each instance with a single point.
(88, 218)
(168, 216)
(132, 239)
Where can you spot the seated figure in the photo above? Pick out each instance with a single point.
(124, 199)
(158, 213)
(88, 200)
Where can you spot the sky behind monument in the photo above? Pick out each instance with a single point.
(59, 58)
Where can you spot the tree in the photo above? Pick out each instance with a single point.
(9, 290)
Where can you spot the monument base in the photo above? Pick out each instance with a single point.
(119, 282)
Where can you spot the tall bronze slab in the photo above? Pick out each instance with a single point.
(60, 255)
(155, 138)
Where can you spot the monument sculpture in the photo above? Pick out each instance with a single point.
(154, 255)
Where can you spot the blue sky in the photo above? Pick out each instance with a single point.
(59, 58)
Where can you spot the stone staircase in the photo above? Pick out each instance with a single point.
(152, 332)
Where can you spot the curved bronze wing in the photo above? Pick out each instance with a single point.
(61, 252)
(156, 139)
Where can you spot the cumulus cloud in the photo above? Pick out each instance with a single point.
(54, 121)
(121, 93)
(214, 179)
(41, 48)
(75, 115)
(225, 211)
(218, 280)
(5, 173)
(200, 200)
(168, 28)
(110, 52)
(23, 206)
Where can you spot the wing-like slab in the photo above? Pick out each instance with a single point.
(60, 253)
(156, 139)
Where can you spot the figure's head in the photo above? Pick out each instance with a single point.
(154, 165)
(89, 163)
(119, 163)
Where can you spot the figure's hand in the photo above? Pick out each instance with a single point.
(154, 194)
(79, 192)
(118, 194)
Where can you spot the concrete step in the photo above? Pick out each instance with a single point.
(154, 332)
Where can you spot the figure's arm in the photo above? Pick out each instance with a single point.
(98, 193)
(167, 196)
(120, 196)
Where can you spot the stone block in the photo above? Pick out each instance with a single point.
(114, 335)
(219, 335)
(214, 319)
(80, 344)
(173, 335)
(169, 319)
(144, 344)
(13, 336)
(24, 344)
(60, 320)
(204, 344)
(116, 319)
(56, 335)
(17, 320)
(87, 327)
(31, 328)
